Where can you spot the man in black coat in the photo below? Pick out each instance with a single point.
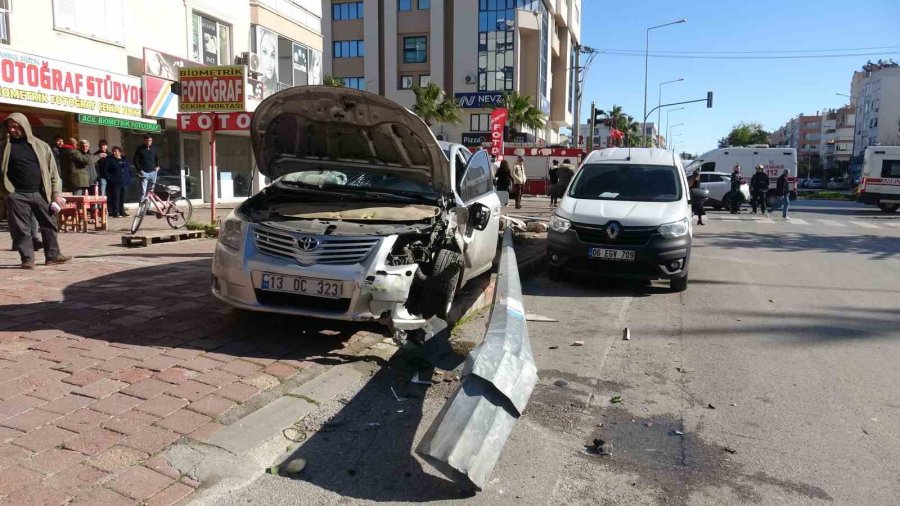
(759, 187)
(736, 196)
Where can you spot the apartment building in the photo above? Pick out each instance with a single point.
(473, 49)
(836, 148)
(876, 94)
(116, 66)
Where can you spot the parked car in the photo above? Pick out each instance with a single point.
(837, 183)
(626, 214)
(368, 217)
(815, 184)
(802, 183)
(719, 186)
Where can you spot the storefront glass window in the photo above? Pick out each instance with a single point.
(235, 168)
(167, 146)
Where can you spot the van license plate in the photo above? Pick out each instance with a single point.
(303, 286)
(622, 255)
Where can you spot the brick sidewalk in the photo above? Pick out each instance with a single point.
(108, 360)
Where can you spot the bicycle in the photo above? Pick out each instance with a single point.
(176, 209)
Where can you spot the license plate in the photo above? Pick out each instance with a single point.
(305, 286)
(622, 255)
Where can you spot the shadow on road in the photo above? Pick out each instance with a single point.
(817, 288)
(876, 247)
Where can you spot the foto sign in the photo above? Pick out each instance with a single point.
(201, 122)
(498, 122)
(213, 89)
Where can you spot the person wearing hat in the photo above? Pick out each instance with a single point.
(759, 187)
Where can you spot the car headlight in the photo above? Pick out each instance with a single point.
(232, 232)
(558, 224)
(674, 229)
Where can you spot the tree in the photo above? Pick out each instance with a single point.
(330, 80)
(522, 112)
(745, 134)
(614, 117)
(433, 106)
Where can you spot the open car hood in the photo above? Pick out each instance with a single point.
(327, 128)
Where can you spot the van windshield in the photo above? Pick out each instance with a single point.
(610, 181)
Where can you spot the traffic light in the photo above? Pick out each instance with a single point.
(709, 100)
(597, 117)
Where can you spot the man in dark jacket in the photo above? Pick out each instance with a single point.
(759, 187)
(78, 164)
(783, 194)
(736, 196)
(30, 182)
(117, 170)
(146, 161)
(103, 153)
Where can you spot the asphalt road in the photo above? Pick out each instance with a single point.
(772, 379)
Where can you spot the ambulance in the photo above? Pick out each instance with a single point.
(773, 160)
(880, 185)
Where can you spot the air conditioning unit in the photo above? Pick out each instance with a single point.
(470, 79)
(251, 60)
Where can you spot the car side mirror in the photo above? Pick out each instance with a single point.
(479, 216)
(504, 197)
(698, 194)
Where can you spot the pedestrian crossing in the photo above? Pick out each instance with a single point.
(773, 220)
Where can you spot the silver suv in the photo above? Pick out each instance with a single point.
(369, 217)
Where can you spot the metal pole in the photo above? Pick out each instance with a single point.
(577, 70)
(659, 111)
(590, 139)
(212, 175)
(646, 66)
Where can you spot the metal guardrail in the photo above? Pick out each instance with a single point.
(465, 440)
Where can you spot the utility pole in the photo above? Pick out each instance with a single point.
(590, 139)
(577, 83)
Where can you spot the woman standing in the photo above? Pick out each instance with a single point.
(504, 177)
(553, 172)
(118, 176)
(697, 204)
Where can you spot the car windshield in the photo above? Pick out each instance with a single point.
(358, 180)
(612, 181)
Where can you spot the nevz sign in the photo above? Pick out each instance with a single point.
(478, 100)
(221, 121)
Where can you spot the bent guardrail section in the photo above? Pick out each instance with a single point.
(465, 440)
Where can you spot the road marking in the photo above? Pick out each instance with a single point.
(864, 224)
(729, 218)
(766, 221)
(895, 225)
(797, 221)
(832, 223)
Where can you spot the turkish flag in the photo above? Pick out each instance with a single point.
(497, 123)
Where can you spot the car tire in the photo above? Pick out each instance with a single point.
(555, 273)
(679, 284)
(446, 273)
(889, 208)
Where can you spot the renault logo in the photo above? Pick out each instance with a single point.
(613, 230)
(308, 243)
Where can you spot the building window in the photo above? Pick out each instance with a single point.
(424, 4)
(424, 81)
(345, 11)
(480, 122)
(349, 48)
(415, 50)
(357, 83)
(210, 41)
(105, 23)
(404, 5)
(406, 82)
(496, 42)
(5, 9)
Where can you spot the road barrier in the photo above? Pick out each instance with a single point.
(465, 440)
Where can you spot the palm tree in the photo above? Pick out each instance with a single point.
(631, 129)
(330, 80)
(522, 112)
(615, 118)
(433, 106)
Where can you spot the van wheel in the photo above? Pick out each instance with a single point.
(445, 277)
(555, 273)
(889, 208)
(679, 284)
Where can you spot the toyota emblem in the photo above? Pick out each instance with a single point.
(308, 243)
(613, 230)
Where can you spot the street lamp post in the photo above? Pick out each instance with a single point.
(667, 121)
(673, 144)
(673, 128)
(646, 67)
(659, 102)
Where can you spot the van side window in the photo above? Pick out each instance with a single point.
(708, 178)
(890, 168)
(708, 167)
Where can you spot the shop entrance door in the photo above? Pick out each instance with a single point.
(191, 168)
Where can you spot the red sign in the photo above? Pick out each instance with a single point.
(220, 121)
(497, 122)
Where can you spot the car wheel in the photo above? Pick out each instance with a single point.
(718, 206)
(446, 275)
(679, 284)
(555, 273)
(889, 208)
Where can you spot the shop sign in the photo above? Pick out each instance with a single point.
(223, 121)
(127, 124)
(497, 124)
(158, 98)
(474, 139)
(164, 65)
(484, 99)
(36, 81)
(220, 89)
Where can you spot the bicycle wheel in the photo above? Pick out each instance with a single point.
(139, 216)
(179, 212)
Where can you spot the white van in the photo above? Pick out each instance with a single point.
(880, 183)
(774, 161)
(626, 214)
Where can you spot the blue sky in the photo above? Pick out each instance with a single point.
(769, 91)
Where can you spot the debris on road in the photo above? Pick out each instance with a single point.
(710, 406)
(682, 371)
(578, 343)
(626, 335)
(561, 383)
(772, 300)
(729, 450)
(533, 317)
(679, 433)
(272, 470)
(733, 404)
(399, 399)
(615, 400)
(417, 381)
(295, 466)
(554, 347)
